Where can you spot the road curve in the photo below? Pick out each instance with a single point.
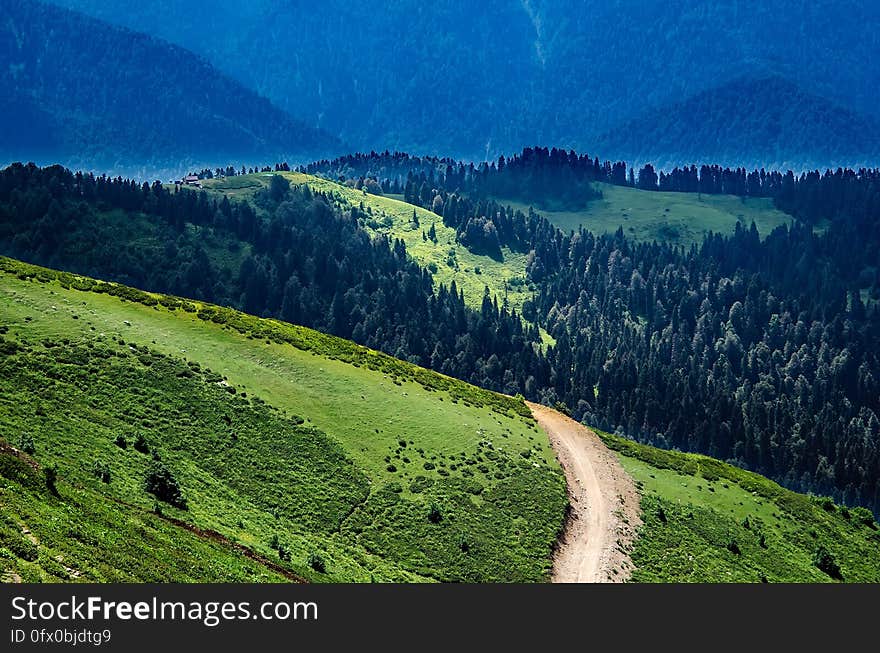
(604, 504)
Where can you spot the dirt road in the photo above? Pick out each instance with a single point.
(604, 504)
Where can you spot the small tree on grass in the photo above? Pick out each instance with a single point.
(51, 474)
(140, 443)
(317, 563)
(26, 444)
(826, 563)
(434, 514)
(162, 484)
(102, 471)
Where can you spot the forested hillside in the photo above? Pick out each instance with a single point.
(84, 93)
(480, 80)
(292, 254)
(767, 121)
(758, 351)
(761, 352)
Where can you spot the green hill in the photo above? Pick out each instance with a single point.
(272, 451)
(677, 218)
(706, 521)
(145, 437)
(447, 259)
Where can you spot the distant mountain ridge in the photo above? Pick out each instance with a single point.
(765, 121)
(87, 94)
(477, 80)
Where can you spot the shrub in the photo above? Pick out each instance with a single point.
(19, 546)
(51, 475)
(420, 484)
(826, 563)
(162, 484)
(434, 514)
(827, 503)
(140, 443)
(102, 471)
(864, 517)
(562, 408)
(661, 514)
(317, 563)
(26, 444)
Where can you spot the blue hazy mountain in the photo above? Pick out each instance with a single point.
(462, 78)
(85, 93)
(769, 122)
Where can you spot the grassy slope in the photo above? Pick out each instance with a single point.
(416, 437)
(393, 217)
(83, 535)
(678, 218)
(708, 505)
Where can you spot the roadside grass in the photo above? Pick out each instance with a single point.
(707, 521)
(676, 218)
(425, 438)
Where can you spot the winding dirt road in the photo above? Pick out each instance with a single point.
(604, 515)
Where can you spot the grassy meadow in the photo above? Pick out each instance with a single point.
(707, 521)
(677, 218)
(331, 461)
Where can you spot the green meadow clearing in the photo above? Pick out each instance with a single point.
(676, 218)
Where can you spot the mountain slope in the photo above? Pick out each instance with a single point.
(193, 442)
(82, 92)
(706, 521)
(289, 442)
(468, 80)
(448, 260)
(749, 122)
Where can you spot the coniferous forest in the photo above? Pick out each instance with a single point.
(759, 351)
